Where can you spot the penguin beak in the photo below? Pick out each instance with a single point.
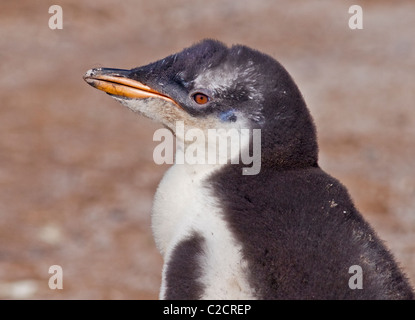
(116, 82)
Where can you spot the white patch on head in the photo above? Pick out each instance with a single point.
(227, 76)
(184, 204)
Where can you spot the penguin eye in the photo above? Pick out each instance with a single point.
(201, 98)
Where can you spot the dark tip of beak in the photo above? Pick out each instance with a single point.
(96, 72)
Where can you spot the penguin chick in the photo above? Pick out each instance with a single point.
(286, 231)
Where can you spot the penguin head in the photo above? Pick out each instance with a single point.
(211, 86)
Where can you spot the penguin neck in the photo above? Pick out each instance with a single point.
(195, 165)
(209, 150)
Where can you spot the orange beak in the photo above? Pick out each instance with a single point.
(113, 81)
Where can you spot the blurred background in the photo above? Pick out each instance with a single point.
(77, 176)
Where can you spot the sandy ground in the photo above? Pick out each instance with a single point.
(76, 171)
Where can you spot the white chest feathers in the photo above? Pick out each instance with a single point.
(184, 205)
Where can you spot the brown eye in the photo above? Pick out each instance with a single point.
(201, 98)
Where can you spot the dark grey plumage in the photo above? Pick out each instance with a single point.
(302, 240)
(185, 261)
